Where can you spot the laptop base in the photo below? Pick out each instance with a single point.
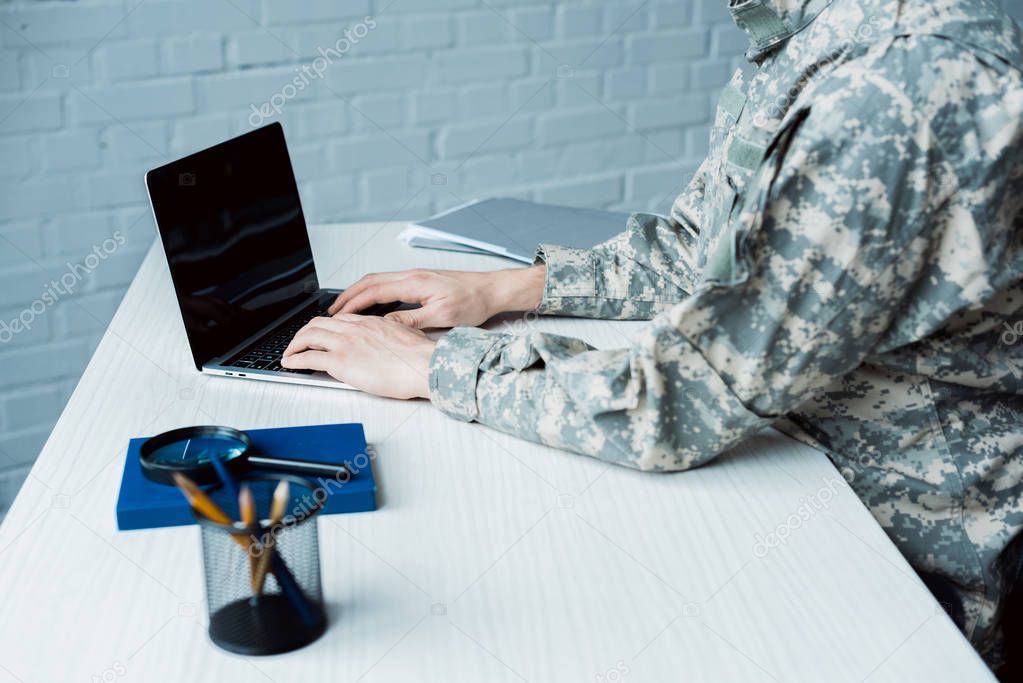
(316, 379)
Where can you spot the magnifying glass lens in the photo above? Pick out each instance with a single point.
(197, 451)
(190, 451)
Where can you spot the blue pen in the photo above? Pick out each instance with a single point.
(292, 591)
(225, 476)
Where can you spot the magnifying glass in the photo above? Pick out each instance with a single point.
(190, 451)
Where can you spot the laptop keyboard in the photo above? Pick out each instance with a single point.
(266, 354)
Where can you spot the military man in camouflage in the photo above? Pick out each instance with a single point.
(846, 265)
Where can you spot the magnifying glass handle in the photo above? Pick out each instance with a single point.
(303, 467)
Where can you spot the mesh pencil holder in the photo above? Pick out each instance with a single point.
(284, 611)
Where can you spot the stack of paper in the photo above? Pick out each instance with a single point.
(512, 228)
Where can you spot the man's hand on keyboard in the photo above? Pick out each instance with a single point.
(376, 355)
(449, 297)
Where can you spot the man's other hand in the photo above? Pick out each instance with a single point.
(448, 297)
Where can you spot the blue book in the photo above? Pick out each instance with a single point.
(143, 504)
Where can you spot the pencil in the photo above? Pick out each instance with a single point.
(206, 507)
(200, 501)
(247, 508)
(280, 501)
(277, 508)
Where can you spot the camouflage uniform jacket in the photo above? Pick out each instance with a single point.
(846, 265)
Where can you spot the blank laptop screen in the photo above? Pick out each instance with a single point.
(235, 238)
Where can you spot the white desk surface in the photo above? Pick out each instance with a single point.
(489, 559)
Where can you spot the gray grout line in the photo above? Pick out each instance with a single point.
(23, 101)
(25, 40)
(107, 34)
(672, 159)
(615, 31)
(503, 124)
(119, 121)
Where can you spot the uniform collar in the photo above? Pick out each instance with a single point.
(770, 22)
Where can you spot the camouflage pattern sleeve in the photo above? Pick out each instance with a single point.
(846, 267)
(632, 276)
(826, 245)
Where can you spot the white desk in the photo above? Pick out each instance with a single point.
(490, 559)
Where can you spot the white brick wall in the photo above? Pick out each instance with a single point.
(559, 101)
(601, 104)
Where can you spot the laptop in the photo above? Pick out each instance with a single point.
(239, 255)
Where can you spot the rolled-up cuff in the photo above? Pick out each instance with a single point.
(455, 367)
(571, 274)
